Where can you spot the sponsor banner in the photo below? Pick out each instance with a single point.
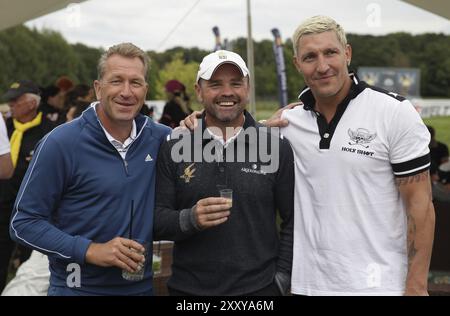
(432, 107)
(403, 81)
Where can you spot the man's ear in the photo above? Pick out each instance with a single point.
(33, 104)
(348, 54)
(97, 89)
(147, 88)
(296, 64)
(198, 89)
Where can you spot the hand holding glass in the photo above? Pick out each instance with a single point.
(139, 274)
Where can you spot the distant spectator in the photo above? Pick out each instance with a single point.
(81, 92)
(77, 100)
(438, 152)
(147, 111)
(441, 188)
(444, 172)
(177, 107)
(76, 109)
(64, 83)
(52, 104)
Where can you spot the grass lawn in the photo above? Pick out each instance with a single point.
(441, 125)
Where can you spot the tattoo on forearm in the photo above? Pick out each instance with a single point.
(412, 179)
(411, 239)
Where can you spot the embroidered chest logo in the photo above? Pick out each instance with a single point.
(253, 169)
(148, 158)
(361, 137)
(188, 173)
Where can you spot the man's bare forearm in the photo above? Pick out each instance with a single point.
(416, 192)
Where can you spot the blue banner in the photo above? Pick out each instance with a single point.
(281, 68)
(216, 32)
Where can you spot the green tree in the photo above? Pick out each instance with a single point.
(86, 71)
(19, 55)
(57, 57)
(153, 76)
(43, 56)
(177, 69)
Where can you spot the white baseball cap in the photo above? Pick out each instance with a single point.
(212, 61)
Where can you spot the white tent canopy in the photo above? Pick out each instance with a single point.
(15, 12)
(439, 7)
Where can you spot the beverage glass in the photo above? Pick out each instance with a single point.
(228, 194)
(139, 274)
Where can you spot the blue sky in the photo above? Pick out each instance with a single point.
(151, 24)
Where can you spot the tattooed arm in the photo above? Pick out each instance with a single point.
(416, 194)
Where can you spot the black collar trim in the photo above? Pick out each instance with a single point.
(309, 101)
(326, 130)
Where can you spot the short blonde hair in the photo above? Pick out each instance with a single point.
(315, 25)
(126, 50)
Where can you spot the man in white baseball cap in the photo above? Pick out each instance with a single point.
(212, 61)
(225, 247)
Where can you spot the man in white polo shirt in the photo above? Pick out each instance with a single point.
(6, 166)
(364, 218)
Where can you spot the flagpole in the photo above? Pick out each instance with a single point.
(250, 60)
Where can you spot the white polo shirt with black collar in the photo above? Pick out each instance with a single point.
(350, 224)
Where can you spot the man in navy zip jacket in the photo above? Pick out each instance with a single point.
(75, 202)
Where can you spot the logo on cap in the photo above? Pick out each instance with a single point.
(15, 85)
(222, 55)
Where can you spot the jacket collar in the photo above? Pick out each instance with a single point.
(248, 122)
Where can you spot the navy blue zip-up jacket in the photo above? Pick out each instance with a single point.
(78, 190)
